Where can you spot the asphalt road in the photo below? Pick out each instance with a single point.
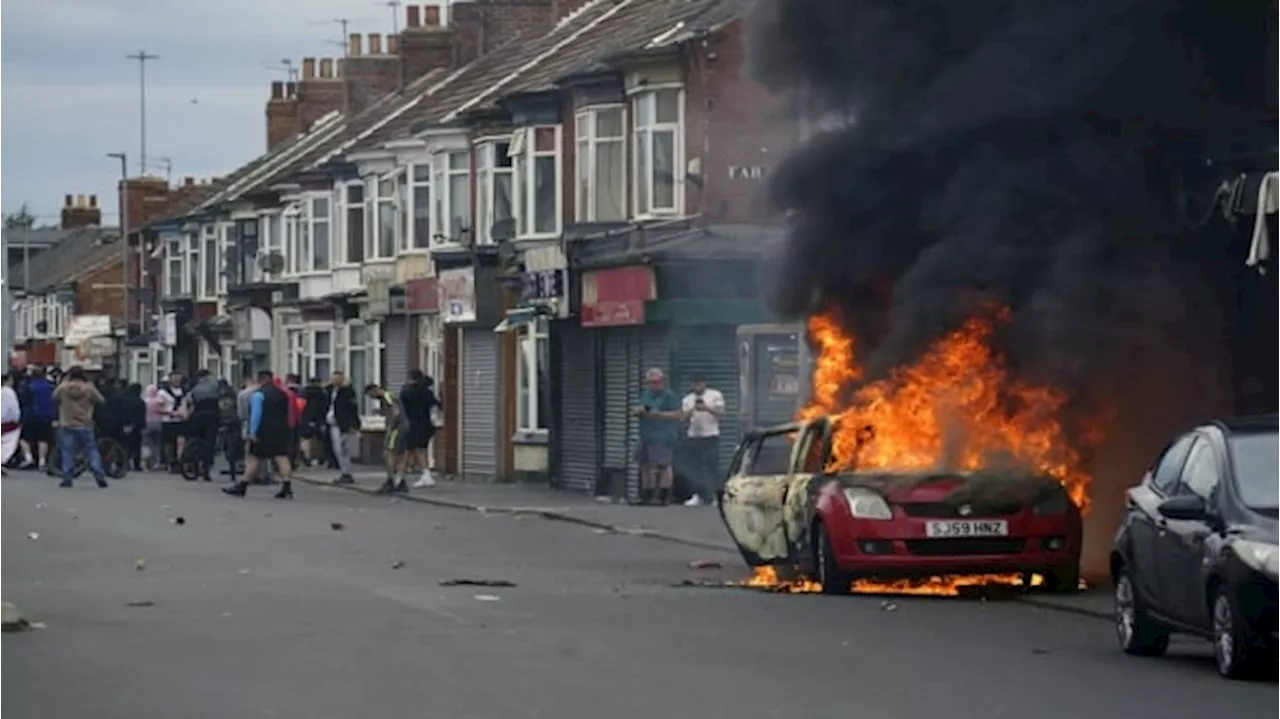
(259, 608)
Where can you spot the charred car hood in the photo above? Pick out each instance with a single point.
(978, 488)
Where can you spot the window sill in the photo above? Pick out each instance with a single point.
(415, 252)
(380, 261)
(532, 435)
(315, 273)
(537, 237)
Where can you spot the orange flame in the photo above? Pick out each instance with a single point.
(955, 408)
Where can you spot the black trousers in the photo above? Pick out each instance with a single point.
(703, 457)
(133, 448)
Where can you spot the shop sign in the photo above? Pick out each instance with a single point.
(457, 294)
(421, 295)
(539, 287)
(615, 297)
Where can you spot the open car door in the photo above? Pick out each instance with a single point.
(766, 504)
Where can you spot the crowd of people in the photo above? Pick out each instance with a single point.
(270, 423)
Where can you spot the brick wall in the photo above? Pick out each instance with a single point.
(370, 71)
(98, 291)
(737, 129)
(80, 212)
(294, 107)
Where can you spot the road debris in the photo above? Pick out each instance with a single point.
(33, 535)
(704, 564)
(41, 505)
(476, 583)
(140, 564)
(396, 564)
(486, 598)
(888, 606)
(179, 521)
(140, 603)
(13, 619)
(244, 571)
(337, 526)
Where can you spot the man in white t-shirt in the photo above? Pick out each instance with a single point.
(173, 419)
(703, 408)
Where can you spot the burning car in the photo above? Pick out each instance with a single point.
(788, 506)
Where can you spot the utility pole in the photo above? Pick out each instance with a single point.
(122, 364)
(142, 57)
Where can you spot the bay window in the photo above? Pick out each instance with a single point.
(193, 263)
(298, 352)
(210, 359)
(421, 178)
(452, 216)
(251, 249)
(295, 227)
(321, 355)
(601, 181)
(493, 188)
(310, 352)
(382, 243)
(533, 350)
(227, 238)
(363, 361)
(535, 155)
(317, 236)
(272, 235)
(353, 201)
(175, 265)
(658, 150)
(209, 262)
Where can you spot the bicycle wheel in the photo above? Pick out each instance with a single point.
(115, 461)
(192, 464)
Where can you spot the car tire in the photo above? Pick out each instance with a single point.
(829, 575)
(1233, 652)
(1137, 633)
(1063, 580)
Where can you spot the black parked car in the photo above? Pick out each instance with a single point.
(1197, 551)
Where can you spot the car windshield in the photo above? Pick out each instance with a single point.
(1257, 465)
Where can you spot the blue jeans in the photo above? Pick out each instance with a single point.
(72, 438)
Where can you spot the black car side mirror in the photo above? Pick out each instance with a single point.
(1185, 507)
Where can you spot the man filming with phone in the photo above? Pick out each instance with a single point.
(703, 408)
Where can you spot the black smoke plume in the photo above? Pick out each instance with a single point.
(1054, 156)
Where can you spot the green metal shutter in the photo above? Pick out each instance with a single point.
(479, 368)
(618, 394)
(710, 351)
(395, 354)
(579, 441)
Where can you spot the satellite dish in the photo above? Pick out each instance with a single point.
(271, 263)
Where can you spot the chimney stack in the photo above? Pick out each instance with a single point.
(308, 68)
(412, 16)
(353, 45)
(188, 182)
(375, 43)
(79, 212)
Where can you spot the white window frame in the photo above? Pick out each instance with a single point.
(316, 355)
(373, 251)
(528, 377)
(493, 160)
(175, 265)
(21, 321)
(371, 351)
(419, 176)
(525, 156)
(297, 351)
(348, 226)
(194, 272)
(226, 240)
(270, 237)
(586, 134)
(209, 238)
(292, 223)
(210, 359)
(314, 220)
(450, 171)
(642, 132)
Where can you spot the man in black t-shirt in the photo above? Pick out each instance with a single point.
(270, 436)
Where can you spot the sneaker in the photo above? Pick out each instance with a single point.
(694, 501)
(401, 487)
(425, 480)
(65, 483)
(388, 486)
(345, 479)
(102, 483)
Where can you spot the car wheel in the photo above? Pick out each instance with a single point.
(1138, 635)
(830, 576)
(1065, 580)
(1233, 652)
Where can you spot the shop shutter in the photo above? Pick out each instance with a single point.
(619, 393)
(709, 351)
(397, 354)
(579, 430)
(479, 370)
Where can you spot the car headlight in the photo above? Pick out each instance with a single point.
(865, 504)
(1261, 556)
(1056, 503)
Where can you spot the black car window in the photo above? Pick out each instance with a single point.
(771, 454)
(1256, 460)
(1200, 476)
(1164, 476)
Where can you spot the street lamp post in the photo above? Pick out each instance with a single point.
(123, 362)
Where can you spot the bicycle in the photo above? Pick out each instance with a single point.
(115, 460)
(195, 460)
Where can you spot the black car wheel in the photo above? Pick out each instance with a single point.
(1138, 635)
(830, 576)
(1233, 652)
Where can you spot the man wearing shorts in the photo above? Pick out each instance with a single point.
(660, 416)
(270, 436)
(394, 451)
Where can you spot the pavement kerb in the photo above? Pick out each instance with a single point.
(1041, 601)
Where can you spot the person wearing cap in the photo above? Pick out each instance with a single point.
(703, 408)
(658, 409)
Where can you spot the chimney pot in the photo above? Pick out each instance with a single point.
(290, 90)
(80, 201)
(67, 201)
(375, 43)
(326, 67)
(308, 68)
(353, 44)
(277, 90)
(412, 16)
(432, 15)
(93, 201)
(393, 44)
(188, 181)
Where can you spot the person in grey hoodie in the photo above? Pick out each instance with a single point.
(204, 419)
(77, 398)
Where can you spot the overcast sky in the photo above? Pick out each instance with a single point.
(70, 96)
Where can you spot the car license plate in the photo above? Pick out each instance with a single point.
(967, 528)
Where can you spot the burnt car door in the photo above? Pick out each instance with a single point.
(1180, 547)
(1143, 522)
(753, 502)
